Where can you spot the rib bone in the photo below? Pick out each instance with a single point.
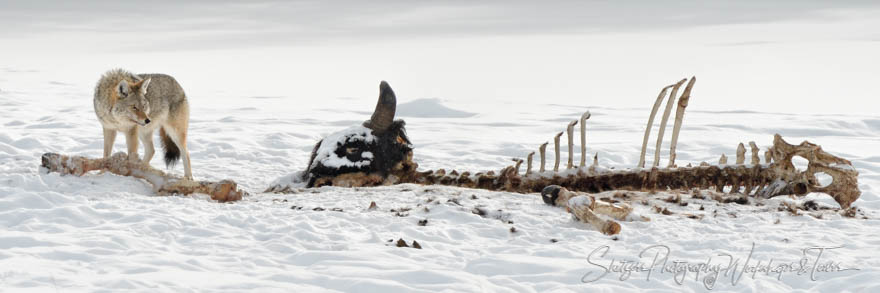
(679, 116)
(556, 149)
(722, 160)
(664, 120)
(529, 165)
(543, 150)
(650, 124)
(584, 118)
(569, 130)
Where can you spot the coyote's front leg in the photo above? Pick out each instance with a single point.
(109, 139)
(131, 141)
(146, 137)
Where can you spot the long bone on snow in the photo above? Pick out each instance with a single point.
(587, 208)
(120, 164)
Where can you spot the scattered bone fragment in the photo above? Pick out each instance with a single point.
(586, 208)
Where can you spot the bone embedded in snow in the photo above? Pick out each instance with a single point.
(163, 184)
(584, 213)
(618, 211)
(543, 150)
(569, 130)
(584, 118)
(679, 116)
(581, 206)
(556, 149)
(740, 154)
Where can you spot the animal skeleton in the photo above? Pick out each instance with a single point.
(777, 176)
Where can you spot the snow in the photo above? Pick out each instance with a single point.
(580, 201)
(103, 231)
(261, 98)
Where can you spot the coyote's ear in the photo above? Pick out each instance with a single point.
(144, 85)
(122, 89)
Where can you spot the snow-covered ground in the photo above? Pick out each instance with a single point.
(106, 232)
(478, 83)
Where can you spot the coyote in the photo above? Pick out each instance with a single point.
(136, 105)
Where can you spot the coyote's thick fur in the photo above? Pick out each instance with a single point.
(137, 105)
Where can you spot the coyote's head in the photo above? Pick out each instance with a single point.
(364, 155)
(131, 102)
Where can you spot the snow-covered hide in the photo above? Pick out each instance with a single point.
(331, 155)
(356, 156)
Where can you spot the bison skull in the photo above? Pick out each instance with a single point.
(364, 155)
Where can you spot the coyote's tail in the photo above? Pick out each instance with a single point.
(172, 152)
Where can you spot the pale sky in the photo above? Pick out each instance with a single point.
(779, 56)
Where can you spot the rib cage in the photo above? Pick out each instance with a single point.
(776, 177)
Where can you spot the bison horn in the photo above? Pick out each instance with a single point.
(383, 116)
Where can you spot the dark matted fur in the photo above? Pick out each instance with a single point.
(386, 148)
